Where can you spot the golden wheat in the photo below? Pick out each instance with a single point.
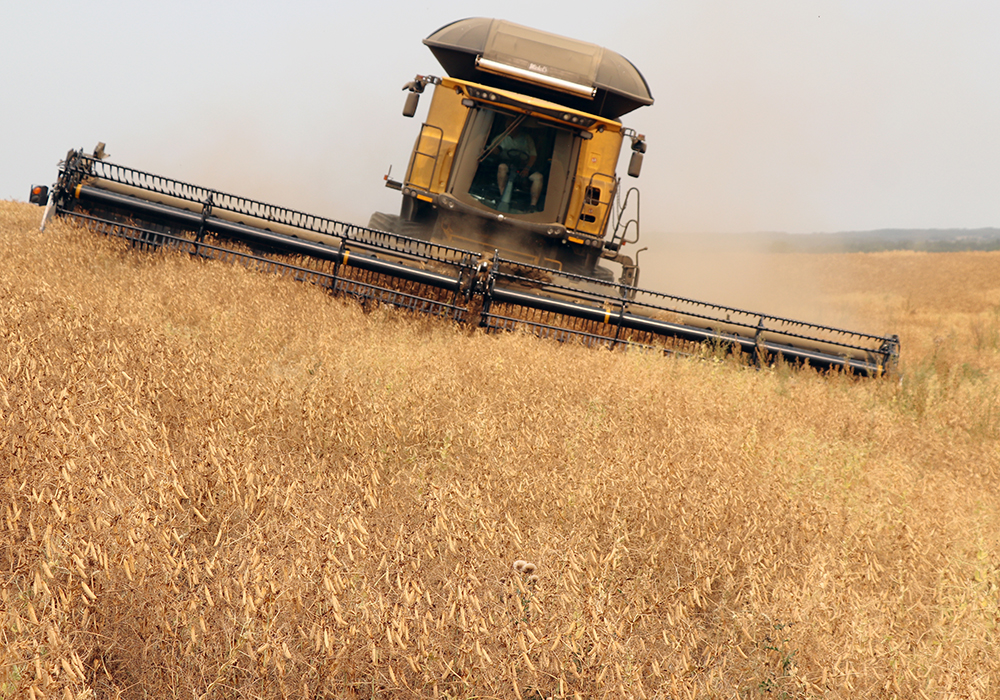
(224, 484)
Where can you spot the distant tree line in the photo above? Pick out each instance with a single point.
(927, 240)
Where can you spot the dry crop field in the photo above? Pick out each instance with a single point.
(221, 484)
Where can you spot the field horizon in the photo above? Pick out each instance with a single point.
(222, 484)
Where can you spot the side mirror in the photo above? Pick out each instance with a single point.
(416, 86)
(635, 164)
(410, 108)
(638, 148)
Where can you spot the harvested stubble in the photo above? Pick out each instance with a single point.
(217, 483)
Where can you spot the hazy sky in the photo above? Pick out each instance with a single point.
(778, 115)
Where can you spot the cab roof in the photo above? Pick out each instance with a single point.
(509, 56)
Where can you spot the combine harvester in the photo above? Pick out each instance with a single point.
(512, 214)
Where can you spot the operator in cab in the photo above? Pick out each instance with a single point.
(518, 151)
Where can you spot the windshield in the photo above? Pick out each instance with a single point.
(513, 170)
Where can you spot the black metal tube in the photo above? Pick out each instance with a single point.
(612, 314)
(695, 334)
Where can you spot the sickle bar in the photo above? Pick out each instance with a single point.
(373, 266)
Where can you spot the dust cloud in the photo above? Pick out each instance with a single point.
(744, 272)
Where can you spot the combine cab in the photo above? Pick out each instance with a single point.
(510, 213)
(520, 147)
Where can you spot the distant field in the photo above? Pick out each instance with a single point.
(219, 484)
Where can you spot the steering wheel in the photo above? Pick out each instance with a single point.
(516, 157)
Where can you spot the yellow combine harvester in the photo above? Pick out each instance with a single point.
(520, 148)
(511, 209)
